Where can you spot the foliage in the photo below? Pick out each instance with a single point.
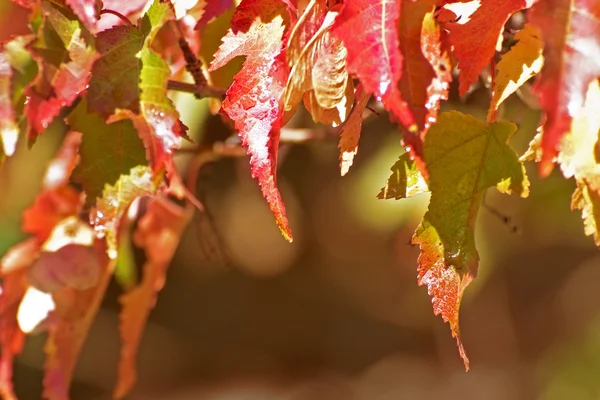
(110, 86)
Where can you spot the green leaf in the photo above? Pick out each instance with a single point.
(406, 180)
(107, 151)
(115, 201)
(116, 74)
(464, 157)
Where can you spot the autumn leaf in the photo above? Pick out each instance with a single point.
(577, 158)
(116, 73)
(464, 157)
(212, 9)
(405, 181)
(350, 133)
(75, 312)
(570, 31)
(86, 11)
(58, 199)
(9, 131)
(115, 201)
(426, 73)
(107, 151)
(517, 66)
(474, 34)
(24, 69)
(253, 101)
(318, 63)
(158, 234)
(374, 55)
(64, 73)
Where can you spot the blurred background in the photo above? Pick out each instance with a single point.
(338, 314)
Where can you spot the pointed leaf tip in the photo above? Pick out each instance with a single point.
(464, 158)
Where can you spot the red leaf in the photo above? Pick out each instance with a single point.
(369, 29)
(158, 233)
(75, 310)
(474, 36)
(213, 9)
(350, 133)
(571, 32)
(427, 69)
(253, 101)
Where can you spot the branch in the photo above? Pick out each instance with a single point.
(118, 15)
(197, 90)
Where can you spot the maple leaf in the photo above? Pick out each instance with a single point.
(350, 133)
(570, 30)
(65, 69)
(374, 55)
(577, 158)
(405, 181)
(158, 234)
(253, 101)
(9, 130)
(116, 73)
(24, 69)
(426, 73)
(464, 157)
(517, 66)
(474, 35)
(115, 201)
(107, 151)
(75, 311)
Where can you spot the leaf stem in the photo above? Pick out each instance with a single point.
(200, 91)
(118, 15)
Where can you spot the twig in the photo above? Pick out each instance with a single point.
(117, 14)
(199, 91)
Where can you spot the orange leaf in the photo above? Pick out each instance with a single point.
(158, 233)
(350, 133)
(253, 101)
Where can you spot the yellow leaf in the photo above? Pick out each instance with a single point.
(517, 66)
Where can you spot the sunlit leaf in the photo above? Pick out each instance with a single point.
(9, 131)
(426, 73)
(517, 66)
(405, 181)
(115, 201)
(253, 100)
(350, 133)
(570, 30)
(464, 157)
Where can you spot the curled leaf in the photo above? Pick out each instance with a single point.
(405, 181)
(350, 133)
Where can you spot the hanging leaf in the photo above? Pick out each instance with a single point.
(158, 234)
(115, 201)
(464, 157)
(9, 131)
(474, 34)
(570, 31)
(350, 133)
(405, 181)
(253, 100)
(426, 73)
(107, 151)
(374, 55)
(517, 66)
